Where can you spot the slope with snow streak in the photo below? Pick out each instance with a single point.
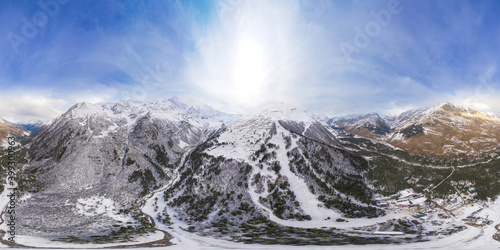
(243, 139)
(243, 136)
(308, 201)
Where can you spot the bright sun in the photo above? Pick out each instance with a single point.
(249, 72)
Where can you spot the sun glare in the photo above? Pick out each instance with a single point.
(249, 72)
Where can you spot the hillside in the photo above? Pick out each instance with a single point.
(448, 131)
(108, 153)
(128, 170)
(7, 128)
(445, 130)
(281, 164)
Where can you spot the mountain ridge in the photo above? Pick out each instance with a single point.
(444, 130)
(276, 168)
(122, 151)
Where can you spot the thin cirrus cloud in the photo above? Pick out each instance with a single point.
(238, 55)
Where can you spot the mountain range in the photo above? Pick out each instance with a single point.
(444, 130)
(217, 173)
(123, 151)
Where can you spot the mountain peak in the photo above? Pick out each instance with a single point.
(450, 107)
(283, 111)
(175, 100)
(463, 111)
(447, 105)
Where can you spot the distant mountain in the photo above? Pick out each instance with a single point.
(447, 130)
(33, 126)
(369, 125)
(444, 130)
(205, 115)
(7, 128)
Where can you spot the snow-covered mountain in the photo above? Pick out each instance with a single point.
(34, 126)
(205, 115)
(370, 125)
(447, 130)
(8, 128)
(117, 151)
(444, 130)
(214, 173)
(281, 163)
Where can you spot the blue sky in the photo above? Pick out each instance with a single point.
(328, 57)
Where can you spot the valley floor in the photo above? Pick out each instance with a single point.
(470, 238)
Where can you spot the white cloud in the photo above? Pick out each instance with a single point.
(476, 105)
(95, 93)
(253, 55)
(16, 107)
